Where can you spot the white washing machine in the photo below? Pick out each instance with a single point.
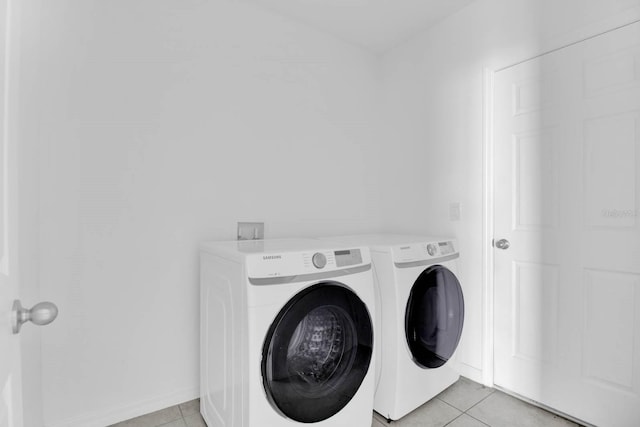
(286, 334)
(420, 314)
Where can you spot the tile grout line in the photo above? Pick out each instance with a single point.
(493, 390)
(173, 421)
(181, 413)
(479, 402)
(457, 409)
(459, 415)
(465, 412)
(480, 421)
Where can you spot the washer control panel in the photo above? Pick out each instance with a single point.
(278, 264)
(336, 259)
(348, 257)
(319, 260)
(446, 248)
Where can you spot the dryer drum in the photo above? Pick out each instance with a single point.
(317, 352)
(434, 317)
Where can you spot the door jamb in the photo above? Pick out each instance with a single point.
(487, 229)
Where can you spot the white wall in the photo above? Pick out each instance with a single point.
(162, 123)
(434, 94)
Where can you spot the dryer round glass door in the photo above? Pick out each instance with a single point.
(317, 352)
(434, 317)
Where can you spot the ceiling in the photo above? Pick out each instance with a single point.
(376, 25)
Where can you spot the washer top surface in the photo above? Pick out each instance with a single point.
(243, 248)
(292, 258)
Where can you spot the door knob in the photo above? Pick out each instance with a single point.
(41, 314)
(502, 244)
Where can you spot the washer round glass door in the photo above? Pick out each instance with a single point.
(317, 352)
(434, 317)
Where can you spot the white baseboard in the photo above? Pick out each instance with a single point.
(110, 416)
(471, 372)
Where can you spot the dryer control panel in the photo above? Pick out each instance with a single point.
(425, 251)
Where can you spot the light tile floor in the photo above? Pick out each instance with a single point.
(184, 415)
(464, 404)
(469, 404)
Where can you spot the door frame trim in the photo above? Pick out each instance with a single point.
(487, 228)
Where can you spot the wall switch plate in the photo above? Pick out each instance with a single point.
(250, 230)
(454, 211)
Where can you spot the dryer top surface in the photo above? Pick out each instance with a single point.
(405, 250)
(384, 240)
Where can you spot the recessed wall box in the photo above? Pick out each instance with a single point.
(250, 230)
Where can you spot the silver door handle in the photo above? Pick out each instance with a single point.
(41, 314)
(502, 244)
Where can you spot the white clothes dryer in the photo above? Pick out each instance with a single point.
(286, 334)
(420, 315)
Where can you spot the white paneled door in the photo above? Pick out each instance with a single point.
(567, 196)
